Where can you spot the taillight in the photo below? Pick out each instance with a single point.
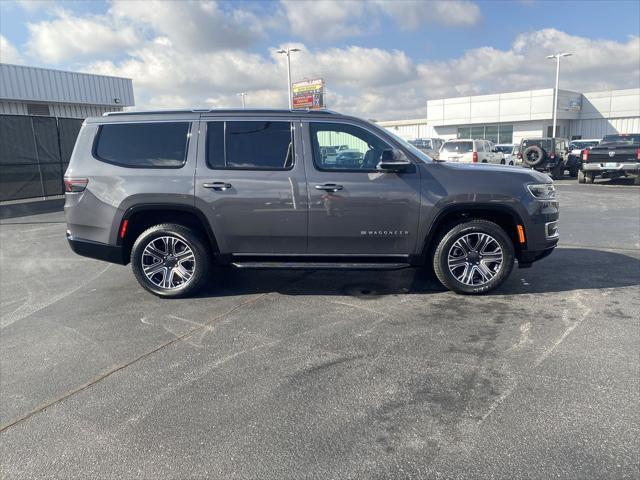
(74, 185)
(519, 155)
(585, 154)
(638, 154)
(475, 157)
(552, 155)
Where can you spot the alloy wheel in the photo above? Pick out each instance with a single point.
(475, 259)
(168, 262)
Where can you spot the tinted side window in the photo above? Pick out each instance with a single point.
(250, 145)
(143, 145)
(363, 148)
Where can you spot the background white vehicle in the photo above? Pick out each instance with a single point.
(470, 151)
(510, 152)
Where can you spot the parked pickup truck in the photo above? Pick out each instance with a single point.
(615, 156)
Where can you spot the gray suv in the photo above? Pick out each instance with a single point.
(176, 192)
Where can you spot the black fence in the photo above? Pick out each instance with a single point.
(34, 154)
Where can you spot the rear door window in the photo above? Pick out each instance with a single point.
(251, 145)
(143, 145)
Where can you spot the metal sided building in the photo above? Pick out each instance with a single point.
(509, 117)
(41, 112)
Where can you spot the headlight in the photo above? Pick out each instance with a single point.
(542, 191)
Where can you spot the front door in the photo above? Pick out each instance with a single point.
(250, 183)
(353, 207)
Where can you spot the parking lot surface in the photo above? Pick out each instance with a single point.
(309, 374)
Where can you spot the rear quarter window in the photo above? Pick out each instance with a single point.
(143, 145)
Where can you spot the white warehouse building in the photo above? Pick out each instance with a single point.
(509, 117)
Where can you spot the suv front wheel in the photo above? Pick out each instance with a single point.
(170, 260)
(473, 257)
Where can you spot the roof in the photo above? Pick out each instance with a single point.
(34, 84)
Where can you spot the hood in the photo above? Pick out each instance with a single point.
(488, 168)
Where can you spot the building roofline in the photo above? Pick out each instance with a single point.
(64, 71)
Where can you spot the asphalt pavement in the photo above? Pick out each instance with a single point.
(328, 375)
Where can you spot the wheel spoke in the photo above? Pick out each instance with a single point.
(493, 257)
(455, 262)
(485, 272)
(483, 241)
(463, 245)
(151, 270)
(467, 275)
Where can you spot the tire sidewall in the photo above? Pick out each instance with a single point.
(200, 252)
(475, 226)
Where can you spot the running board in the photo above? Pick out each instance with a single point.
(322, 265)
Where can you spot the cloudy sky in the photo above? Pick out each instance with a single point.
(380, 59)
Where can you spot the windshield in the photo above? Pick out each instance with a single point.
(457, 147)
(633, 138)
(505, 148)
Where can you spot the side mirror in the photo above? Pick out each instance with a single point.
(393, 160)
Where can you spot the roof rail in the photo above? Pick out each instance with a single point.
(222, 110)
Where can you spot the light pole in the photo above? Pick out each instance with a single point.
(242, 95)
(288, 53)
(557, 56)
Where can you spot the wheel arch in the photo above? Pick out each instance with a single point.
(503, 215)
(140, 217)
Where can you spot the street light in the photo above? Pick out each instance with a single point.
(288, 53)
(557, 56)
(242, 95)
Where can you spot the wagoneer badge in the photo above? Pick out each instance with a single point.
(385, 233)
(612, 154)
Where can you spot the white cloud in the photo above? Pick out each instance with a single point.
(68, 37)
(325, 19)
(8, 53)
(192, 25)
(411, 14)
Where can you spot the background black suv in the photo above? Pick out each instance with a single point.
(548, 155)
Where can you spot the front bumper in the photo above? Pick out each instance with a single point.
(612, 167)
(541, 232)
(99, 251)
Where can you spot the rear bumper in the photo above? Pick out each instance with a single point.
(99, 251)
(611, 167)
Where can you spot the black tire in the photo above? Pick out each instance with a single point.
(199, 267)
(573, 171)
(533, 156)
(581, 177)
(589, 177)
(446, 245)
(557, 172)
(502, 162)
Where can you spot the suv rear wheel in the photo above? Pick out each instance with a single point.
(170, 260)
(473, 257)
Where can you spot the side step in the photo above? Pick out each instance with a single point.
(322, 265)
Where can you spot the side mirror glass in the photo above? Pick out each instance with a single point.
(393, 160)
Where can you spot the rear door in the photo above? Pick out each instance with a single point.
(250, 182)
(356, 209)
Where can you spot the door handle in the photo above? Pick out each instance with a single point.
(221, 186)
(329, 187)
